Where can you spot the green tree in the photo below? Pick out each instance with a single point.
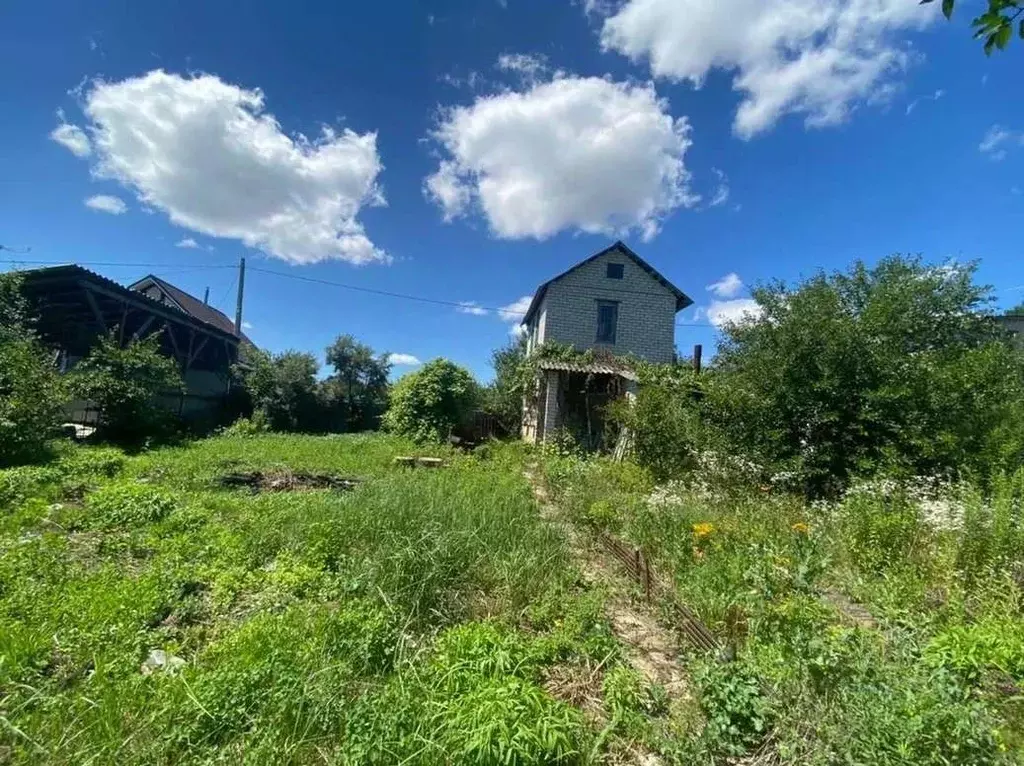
(1017, 310)
(898, 364)
(433, 402)
(124, 383)
(282, 387)
(996, 25)
(359, 386)
(503, 398)
(32, 392)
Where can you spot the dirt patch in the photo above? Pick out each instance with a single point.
(650, 648)
(286, 481)
(578, 684)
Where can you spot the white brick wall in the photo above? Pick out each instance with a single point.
(647, 310)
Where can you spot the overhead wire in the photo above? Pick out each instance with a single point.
(499, 310)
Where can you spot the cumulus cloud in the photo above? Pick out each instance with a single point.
(206, 153)
(728, 286)
(106, 203)
(246, 325)
(997, 140)
(188, 243)
(71, 137)
(515, 311)
(569, 154)
(404, 360)
(472, 307)
(721, 313)
(818, 58)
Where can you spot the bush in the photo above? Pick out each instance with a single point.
(433, 402)
(124, 383)
(32, 393)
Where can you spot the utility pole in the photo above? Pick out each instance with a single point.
(241, 292)
(696, 357)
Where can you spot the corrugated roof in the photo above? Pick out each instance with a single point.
(596, 368)
(72, 271)
(191, 305)
(682, 299)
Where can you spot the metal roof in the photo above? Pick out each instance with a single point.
(596, 368)
(682, 299)
(189, 304)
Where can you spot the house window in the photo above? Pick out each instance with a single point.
(615, 271)
(607, 319)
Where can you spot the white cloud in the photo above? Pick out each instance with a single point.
(205, 152)
(246, 325)
(472, 307)
(720, 313)
(529, 66)
(818, 58)
(403, 360)
(934, 97)
(996, 141)
(515, 311)
(106, 203)
(727, 287)
(188, 243)
(71, 137)
(570, 154)
(721, 195)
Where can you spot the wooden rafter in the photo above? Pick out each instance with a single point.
(91, 300)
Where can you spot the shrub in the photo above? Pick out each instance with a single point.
(32, 393)
(433, 402)
(737, 713)
(282, 388)
(258, 424)
(124, 383)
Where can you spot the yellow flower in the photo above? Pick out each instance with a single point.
(801, 528)
(703, 529)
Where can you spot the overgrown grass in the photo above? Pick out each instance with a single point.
(148, 615)
(883, 628)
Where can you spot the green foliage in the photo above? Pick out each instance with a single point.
(738, 715)
(896, 364)
(355, 397)
(282, 387)
(430, 404)
(124, 383)
(32, 393)
(996, 26)
(126, 504)
(503, 397)
(258, 424)
(973, 650)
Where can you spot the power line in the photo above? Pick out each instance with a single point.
(438, 301)
(330, 283)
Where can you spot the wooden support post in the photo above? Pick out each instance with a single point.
(697, 352)
(145, 326)
(91, 300)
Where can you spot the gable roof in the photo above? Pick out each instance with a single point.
(188, 303)
(682, 299)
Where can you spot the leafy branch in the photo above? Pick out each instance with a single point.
(995, 25)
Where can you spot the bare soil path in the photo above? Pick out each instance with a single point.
(650, 648)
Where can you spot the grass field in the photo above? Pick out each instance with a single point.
(428, 616)
(150, 615)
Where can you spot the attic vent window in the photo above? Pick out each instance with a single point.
(615, 270)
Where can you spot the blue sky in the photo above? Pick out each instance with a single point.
(477, 148)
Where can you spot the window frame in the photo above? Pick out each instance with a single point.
(619, 267)
(611, 338)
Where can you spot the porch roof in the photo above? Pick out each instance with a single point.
(596, 368)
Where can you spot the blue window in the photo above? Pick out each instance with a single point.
(607, 319)
(615, 271)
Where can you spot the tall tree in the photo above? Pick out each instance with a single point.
(360, 381)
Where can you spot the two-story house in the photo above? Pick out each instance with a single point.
(613, 301)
